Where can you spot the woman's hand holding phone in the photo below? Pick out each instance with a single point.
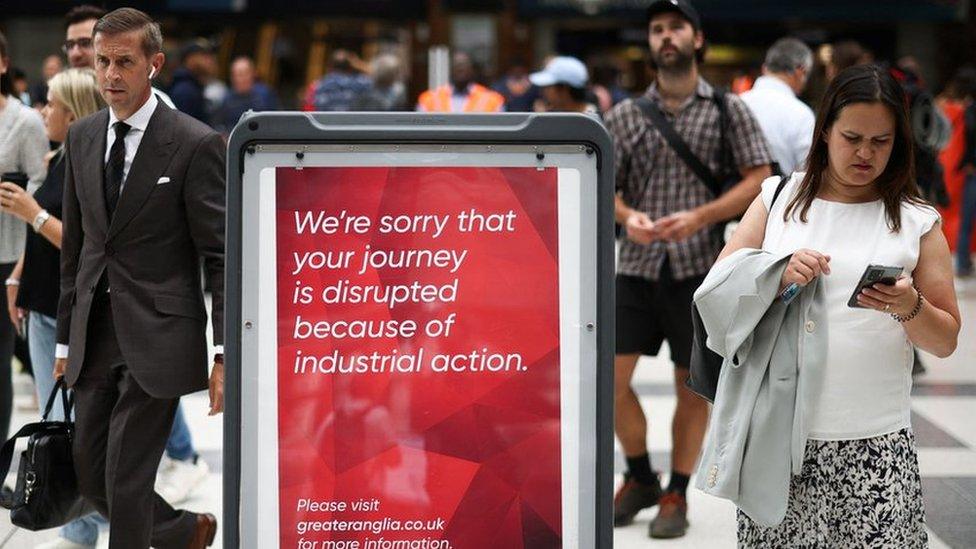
(898, 298)
(804, 266)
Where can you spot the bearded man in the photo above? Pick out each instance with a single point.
(668, 213)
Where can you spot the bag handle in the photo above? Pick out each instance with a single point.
(66, 402)
(7, 452)
(678, 145)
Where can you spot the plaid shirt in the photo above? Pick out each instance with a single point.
(653, 179)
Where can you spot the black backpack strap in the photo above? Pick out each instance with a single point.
(725, 152)
(678, 145)
(779, 188)
(783, 179)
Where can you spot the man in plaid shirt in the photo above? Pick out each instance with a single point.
(669, 215)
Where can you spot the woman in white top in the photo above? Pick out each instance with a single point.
(857, 205)
(23, 145)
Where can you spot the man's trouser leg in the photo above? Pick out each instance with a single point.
(121, 432)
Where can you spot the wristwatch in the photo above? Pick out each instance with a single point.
(39, 220)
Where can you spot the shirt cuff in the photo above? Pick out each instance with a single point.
(219, 349)
(61, 351)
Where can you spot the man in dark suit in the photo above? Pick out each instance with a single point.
(143, 203)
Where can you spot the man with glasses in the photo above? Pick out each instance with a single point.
(77, 46)
(79, 23)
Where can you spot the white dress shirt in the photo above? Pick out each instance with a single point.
(786, 121)
(138, 123)
(164, 98)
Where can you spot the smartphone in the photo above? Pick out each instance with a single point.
(874, 274)
(18, 178)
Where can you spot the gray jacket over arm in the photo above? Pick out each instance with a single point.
(774, 357)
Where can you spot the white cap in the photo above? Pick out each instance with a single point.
(562, 70)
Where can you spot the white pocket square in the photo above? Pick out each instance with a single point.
(162, 180)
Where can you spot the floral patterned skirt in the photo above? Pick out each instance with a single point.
(850, 493)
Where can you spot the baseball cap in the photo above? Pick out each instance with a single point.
(678, 6)
(562, 70)
(198, 45)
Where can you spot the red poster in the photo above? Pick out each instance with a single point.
(418, 358)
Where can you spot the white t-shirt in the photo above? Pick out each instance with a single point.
(868, 373)
(786, 121)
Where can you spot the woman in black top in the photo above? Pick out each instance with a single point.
(34, 285)
(72, 94)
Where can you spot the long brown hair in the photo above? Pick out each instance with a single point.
(896, 185)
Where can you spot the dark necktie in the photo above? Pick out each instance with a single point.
(115, 168)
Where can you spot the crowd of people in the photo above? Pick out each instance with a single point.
(708, 183)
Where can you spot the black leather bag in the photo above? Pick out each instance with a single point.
(705, 364)
(46, 495)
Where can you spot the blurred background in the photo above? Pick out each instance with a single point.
(291, 41)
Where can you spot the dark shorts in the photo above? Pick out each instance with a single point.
(650, 312)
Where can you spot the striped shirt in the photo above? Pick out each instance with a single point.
(650, 177)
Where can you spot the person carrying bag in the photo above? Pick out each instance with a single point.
(46, 495)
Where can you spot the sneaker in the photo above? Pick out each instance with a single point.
(176, 479)
(61, 543)
(671, 520)
(632, 497)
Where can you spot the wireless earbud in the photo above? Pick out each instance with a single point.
(152, 72)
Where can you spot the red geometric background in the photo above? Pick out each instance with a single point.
(479, 450)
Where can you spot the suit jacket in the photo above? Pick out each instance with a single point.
(151, 250)
(758, 428)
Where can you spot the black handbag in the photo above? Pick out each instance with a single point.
(46, 495)
(705, 364)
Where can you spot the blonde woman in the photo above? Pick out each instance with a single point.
(22, 149)
(33, 288)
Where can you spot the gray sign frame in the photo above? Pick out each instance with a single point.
(305, 133)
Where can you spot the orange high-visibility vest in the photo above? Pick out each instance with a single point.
(480, 99)
(742, 84)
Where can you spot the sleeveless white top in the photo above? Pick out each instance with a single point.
(867, 377)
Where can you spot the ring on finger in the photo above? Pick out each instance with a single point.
(887, 307)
